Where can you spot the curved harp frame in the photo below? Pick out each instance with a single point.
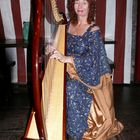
(36, 114)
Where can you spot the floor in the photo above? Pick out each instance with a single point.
(15, 108)
(16, 104)
(127, 105)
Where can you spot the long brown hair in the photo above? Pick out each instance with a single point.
(73, 15)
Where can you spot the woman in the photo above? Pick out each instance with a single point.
(89, 117)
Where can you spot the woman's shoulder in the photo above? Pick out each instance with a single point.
(94, 27)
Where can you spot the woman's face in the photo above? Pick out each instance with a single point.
(81, 8)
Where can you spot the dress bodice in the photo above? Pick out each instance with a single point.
(89, 55)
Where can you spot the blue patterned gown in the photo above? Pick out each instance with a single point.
(91, 62)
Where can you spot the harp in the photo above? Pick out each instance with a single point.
(47, 118)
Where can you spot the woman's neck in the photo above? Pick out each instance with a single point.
(82, 21)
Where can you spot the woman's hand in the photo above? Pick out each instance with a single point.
(49, 49)
(55, 54)
(60, 57)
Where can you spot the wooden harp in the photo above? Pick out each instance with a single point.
(47, 118)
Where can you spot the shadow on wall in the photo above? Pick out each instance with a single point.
(5, 77)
